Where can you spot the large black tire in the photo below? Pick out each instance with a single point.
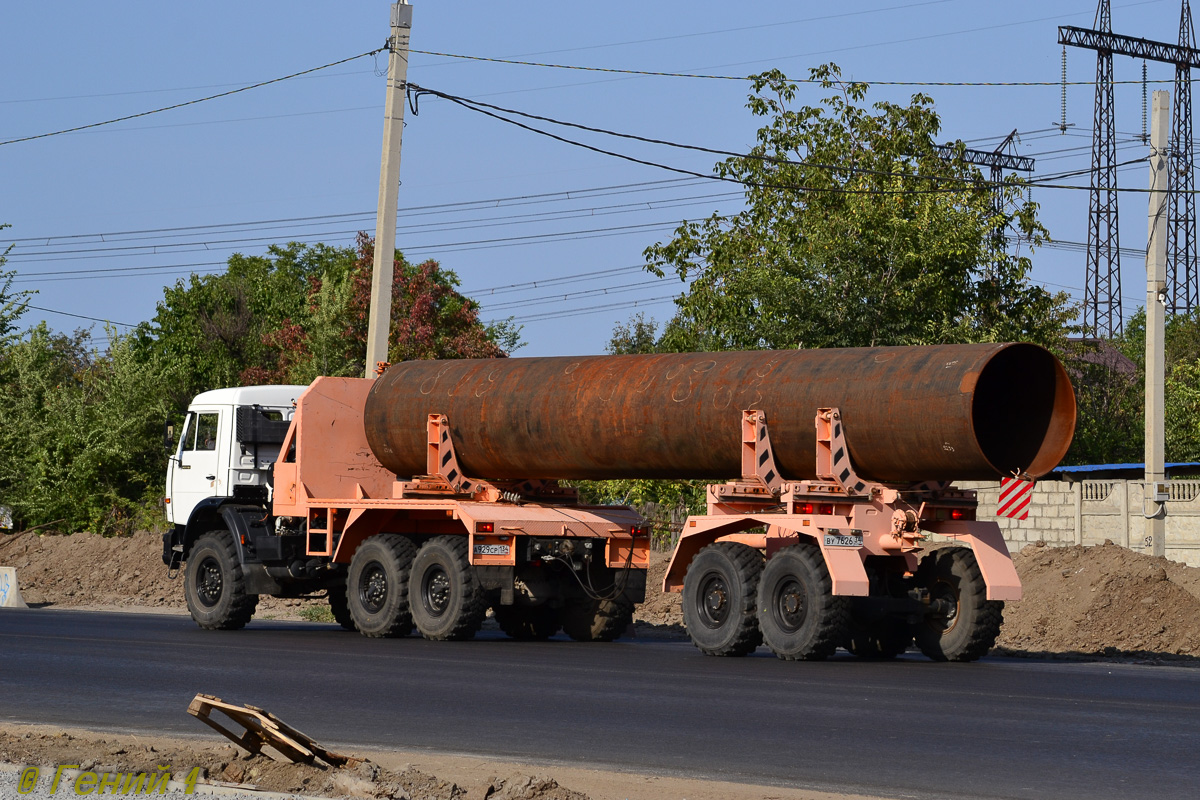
(799, 617)
(377, 586)
(969, 630)
(215, 585)
(527, 622)
(876, 639)
(447, 602)
(339, 605)
(720, 596)
(597, 620)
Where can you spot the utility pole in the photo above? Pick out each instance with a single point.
(1156, 309)
(379, 321)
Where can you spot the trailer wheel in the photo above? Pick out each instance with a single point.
(377, 586)
(877, 640)
(215, 585)
(527, 622)
(597, 620)
(799, 617)
(720, 593)
(446, 599)
(963, 624)
(339, 605)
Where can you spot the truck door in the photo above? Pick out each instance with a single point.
(198, 469)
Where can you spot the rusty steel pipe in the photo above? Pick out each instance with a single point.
(947, 412)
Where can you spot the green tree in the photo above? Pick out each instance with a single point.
(80, 431)
(430, 319)
(212, 327)
(639, 335)
(12, 302)
(857, 232)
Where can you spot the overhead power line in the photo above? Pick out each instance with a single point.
(80, 316)
(193, 102)
(465, 205)
(701, 76)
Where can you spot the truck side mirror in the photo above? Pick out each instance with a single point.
(169, 437)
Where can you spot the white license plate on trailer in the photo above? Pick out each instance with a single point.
(491, 549)
(842, 540)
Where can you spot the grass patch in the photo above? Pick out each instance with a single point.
(319, 613)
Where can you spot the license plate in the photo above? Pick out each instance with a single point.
(842, 540)
(491, 549)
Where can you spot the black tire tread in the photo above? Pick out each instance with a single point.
(403, 550)
(475, 604)
(339, 605)
(989, 615)
(597, 620)
(834, 611)
(527, 623)
(242, 606)
(749, 564)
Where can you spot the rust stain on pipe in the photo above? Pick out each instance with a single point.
(947, 412)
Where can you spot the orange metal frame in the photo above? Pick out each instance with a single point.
(328, 476)
(845, 505)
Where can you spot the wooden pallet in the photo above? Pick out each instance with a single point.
(263, 729)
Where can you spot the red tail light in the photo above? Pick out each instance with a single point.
(804, 508)
(640, 530)
(825, 508)
(485, 527)
(962, 513)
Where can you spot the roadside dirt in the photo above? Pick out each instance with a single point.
(408, 775)
(1100, 601)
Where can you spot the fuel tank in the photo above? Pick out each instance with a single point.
(945, 412)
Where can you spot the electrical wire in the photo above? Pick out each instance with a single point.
(569, 194)
(192, 102)
(79, 316)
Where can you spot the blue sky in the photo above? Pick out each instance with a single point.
(535, 229)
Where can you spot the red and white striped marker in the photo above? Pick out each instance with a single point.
(1015, 494)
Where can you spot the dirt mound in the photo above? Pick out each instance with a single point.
(85, 569)
(225, 763)
(1103, 600)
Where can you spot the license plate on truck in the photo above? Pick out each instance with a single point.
(839, 539)
(491, 549)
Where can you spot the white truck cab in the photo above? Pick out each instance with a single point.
(230, 439)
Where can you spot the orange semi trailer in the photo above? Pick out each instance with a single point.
(431, 494)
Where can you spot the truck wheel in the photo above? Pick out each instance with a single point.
(377, 586)
(215, 586)
(597, 620)
(527, 622)
(797, 612)
(444, 593)
(963, 624)
(877, 640)
(720, 592)
(339, 605)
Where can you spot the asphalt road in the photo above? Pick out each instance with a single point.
(999, 728)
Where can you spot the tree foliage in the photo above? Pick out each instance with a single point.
(857, 232)
(12, 302)
(1110, 392)
(81, 431)
(327, 335)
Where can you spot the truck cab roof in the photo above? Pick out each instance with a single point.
(276, 396)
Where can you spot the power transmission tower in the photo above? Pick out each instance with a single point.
(1182, 272)
(1102, 286)
(1102, 300)
(998, 161)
